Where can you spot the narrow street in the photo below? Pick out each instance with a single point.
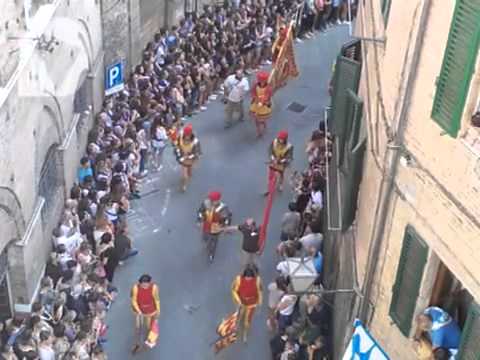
(194, 294)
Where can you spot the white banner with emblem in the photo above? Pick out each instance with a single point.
(363, 346)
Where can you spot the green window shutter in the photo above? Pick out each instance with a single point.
(353, 126)
(408, 280)
(457, 67)
(346, 76)
(350, 184)
(351, 148)
(470, 345)
(386, 4)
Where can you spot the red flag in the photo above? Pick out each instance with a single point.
(228, 324)
(225, 342)
(227, 331)
(285, 65)
(272, 182)
(152, 336)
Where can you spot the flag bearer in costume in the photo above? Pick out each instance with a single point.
(261, 106)
(247, 294)
(281, 155)
(187, 151)
(214, 216)
(279, 41)
(145, 303)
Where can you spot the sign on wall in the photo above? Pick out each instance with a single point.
(363, 346)
(114, 78)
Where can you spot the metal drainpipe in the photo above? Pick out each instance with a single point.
(166, 15)
(389, 178)
(130, 42)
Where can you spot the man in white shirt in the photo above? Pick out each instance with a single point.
(236, 86)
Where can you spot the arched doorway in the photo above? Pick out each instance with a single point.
(50, 186)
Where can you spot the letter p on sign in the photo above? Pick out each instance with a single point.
(114, 80)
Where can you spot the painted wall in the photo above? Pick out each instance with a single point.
(437, 193)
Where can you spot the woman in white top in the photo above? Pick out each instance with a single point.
(159, 142)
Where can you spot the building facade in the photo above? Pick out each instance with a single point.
(414, 236)
(50, 83)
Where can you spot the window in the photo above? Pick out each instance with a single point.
(457, 67)
(470, 346)
(386, 4)
(407, 282)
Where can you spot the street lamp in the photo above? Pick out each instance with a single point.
(303, 275)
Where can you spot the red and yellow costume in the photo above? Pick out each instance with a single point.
(281, 152)
(187, 152)
(247, 294)
(145, 301)
(261, 106)
(213, 215)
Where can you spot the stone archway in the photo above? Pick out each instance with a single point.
(10, 204)
(87, 42)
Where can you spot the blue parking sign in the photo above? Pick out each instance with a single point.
(114, 78)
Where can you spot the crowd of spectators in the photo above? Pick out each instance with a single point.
(298, 313)
(181, 71)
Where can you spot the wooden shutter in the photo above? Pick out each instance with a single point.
(346, 76)
(457, 67)
(351, 184)
(408, 280)
(470, 345)
(386, 4)
(352, 126)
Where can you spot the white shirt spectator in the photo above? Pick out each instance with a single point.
(313, 239)
(287, 300)
(236, 89)
(45, 352)
(317, 199)
(71, 242)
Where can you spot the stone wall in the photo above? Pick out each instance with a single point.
(42, 139)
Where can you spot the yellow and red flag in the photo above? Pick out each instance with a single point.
(285, 66)
(153, 332)
(227, 331)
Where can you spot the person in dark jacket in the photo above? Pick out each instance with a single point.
(250, 236)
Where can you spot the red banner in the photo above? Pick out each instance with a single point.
(272, 182)
(285, 66)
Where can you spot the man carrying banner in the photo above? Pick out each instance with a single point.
(261, 106)
(187, 152)
(281, 155)
(145, 303)
(247, 294)
(214, 216)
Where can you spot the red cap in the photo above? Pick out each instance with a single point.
(283, 135)
(214, 195)
(187, 130)
(262, 76)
